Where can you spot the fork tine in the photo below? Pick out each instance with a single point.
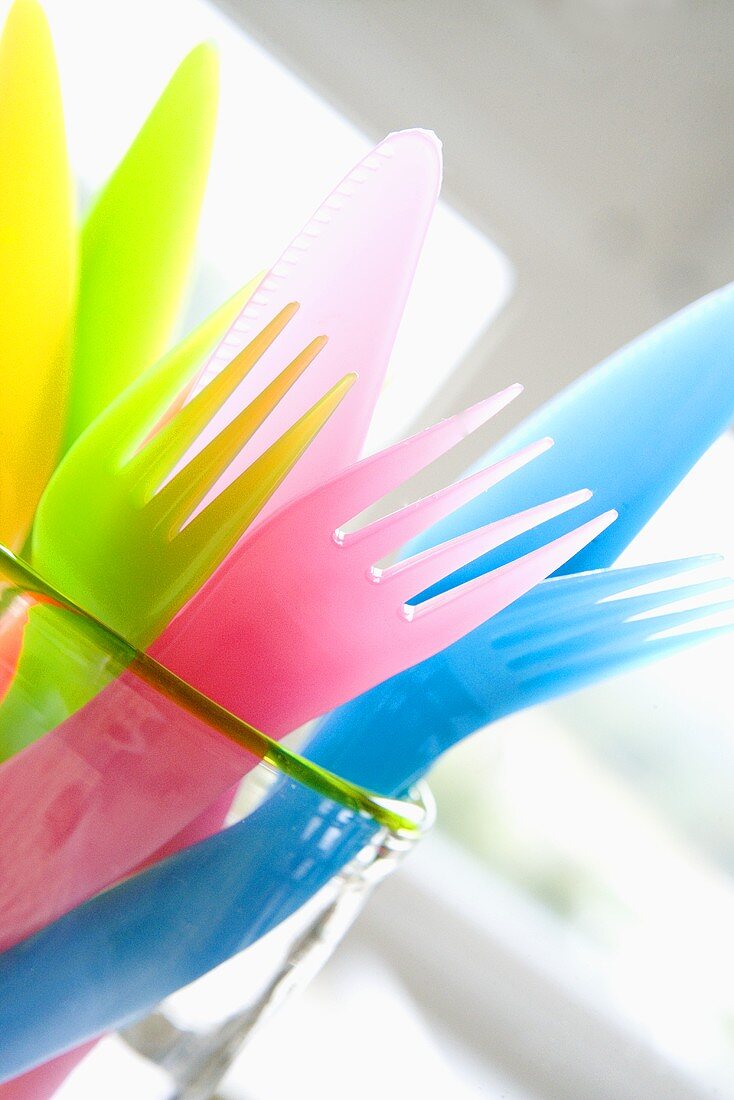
(587, 665)
(177, 499)
(383, 535)
(548, 600)
(367, 481)
(119, 430)
(214, 531)
(584, 617)
(418, 573)
(600, 583)
(155, 460)
(627, 608)
(606, 638)
(657, 624)
(453, 613)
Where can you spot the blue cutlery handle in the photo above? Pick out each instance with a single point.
(110, 959)
(629, 430)
(117, 955)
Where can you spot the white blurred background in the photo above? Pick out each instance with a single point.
(566, 932)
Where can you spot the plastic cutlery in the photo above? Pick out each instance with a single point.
(352, 262)
(118, 954)
(350, 268)
(188, 355)
(137, 243)
(631, 428)
(37, 266)
(114, 530)
(359, 249)
(361, 246)
(568, 632)
(327, 620)
(287, 636)
(154, 697)
(680, 374)
(124, 483)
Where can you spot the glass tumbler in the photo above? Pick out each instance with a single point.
(93, 734)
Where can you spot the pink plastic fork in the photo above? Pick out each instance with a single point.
(360, 247)
(352, 262)
(325, 617)
(350, 269)
(299, 621)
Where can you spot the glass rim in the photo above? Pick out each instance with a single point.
(407, 817)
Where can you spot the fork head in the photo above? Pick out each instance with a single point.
(326, 622)
(138, 547)
(622, 629)
(565, 634)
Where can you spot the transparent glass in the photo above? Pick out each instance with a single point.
(195, 1049)
(75, 787)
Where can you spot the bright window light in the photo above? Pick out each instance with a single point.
(280, 148)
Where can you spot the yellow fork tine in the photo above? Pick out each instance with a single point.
(177, 499)
(212, 534)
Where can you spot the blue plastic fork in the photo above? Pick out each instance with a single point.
(631, 428)
(118, 954)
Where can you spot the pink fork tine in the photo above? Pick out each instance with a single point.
(414, 575)
(459, 610)
(376, 539)
(372, 478)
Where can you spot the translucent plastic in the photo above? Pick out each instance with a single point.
(114, 529)
(37, 266)
(322, 622)
(195, 1054)
(631, 428)
(242, 882)
(81, 975)
(78, 804)
(282, 641)
(350, 268)
(107, 534)
(137, 243)
(139, 551)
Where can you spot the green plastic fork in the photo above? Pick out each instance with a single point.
(117, 530)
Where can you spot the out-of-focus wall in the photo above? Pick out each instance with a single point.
(588, 138)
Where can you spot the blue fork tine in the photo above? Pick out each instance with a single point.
(625, 652)
(581, 590)
(581, 621)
